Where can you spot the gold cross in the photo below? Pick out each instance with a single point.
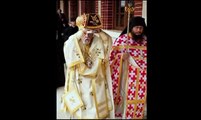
(142, 85)
(99, 82)
(84, 107)
(91, 93)
(130, 111)
(98, 51)
(141, 55)
(106, 86)
(79, 81)
(72, 100)
(133, 85)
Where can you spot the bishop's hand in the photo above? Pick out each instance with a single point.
(89, 63)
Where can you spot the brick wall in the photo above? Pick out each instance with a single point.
(73, 11)
(57, 4)
(66, 8)
(107, 13)
(106, 10)
(138, 8)
(82, 6)
(96, 6)
(90, 6)
(87, 6)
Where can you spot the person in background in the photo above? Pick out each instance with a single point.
(72, 29)
(60, 26)
(61, 16)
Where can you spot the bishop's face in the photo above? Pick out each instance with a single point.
(87, 36)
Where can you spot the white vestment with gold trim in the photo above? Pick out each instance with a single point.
(87, 91)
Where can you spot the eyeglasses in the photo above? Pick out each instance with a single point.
(88, 33)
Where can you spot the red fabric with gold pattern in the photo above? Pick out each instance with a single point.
(136, 85)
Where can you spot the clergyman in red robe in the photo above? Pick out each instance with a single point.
(128, 63)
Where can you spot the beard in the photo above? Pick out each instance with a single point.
(137, 38)
(87, 41)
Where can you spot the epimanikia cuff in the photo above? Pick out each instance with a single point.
(73, 101)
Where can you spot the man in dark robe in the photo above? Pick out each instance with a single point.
(61, 23)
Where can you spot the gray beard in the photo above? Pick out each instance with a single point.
(88, 42)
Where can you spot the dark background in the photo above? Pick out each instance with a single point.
(28, 54)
